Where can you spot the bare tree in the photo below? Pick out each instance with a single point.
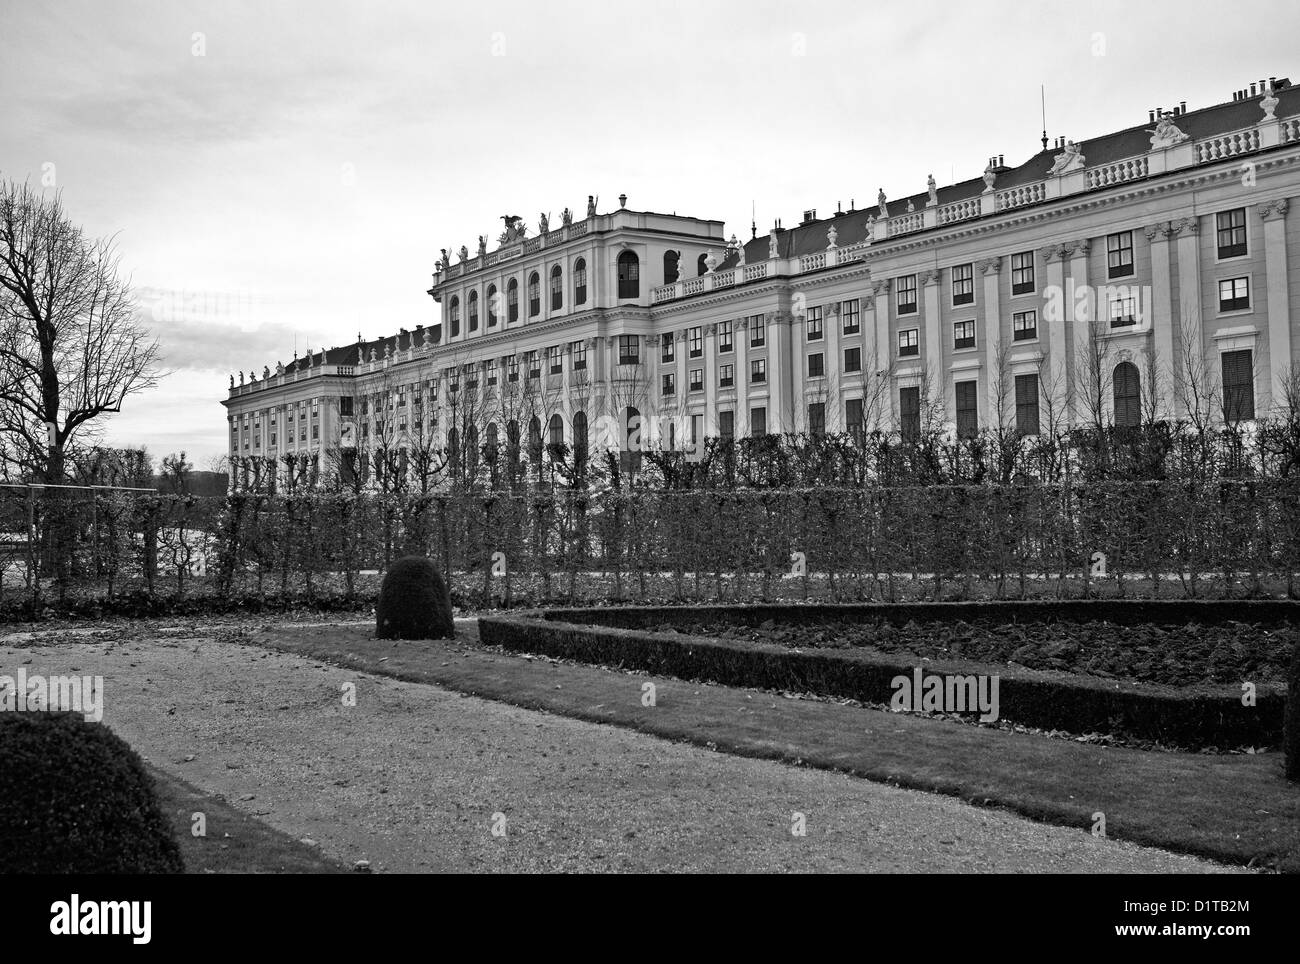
(71, 349)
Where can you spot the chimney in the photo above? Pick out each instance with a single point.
(853, 205)
(839, 208)
(622, 200)
(1182, 107)
(1001, 161)
(1151, 116)
(1252, 90)
(809, 216)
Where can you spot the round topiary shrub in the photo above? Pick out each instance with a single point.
(76, 799)
(1291, 719)
(414, 602)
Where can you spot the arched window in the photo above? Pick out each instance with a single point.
(473, 311)
(629, 275)
(671, 259)
(471, 447)
(702, 265)
(512, 443)
(534, 295)
(580, 281)
(557, 288)
(579, 438)
(491, 305)
(1128, 395)
(556, 430)
(512, 301)
(631, 455)
(455, 315)
(453, 448)
(535, 438)
(491, 446)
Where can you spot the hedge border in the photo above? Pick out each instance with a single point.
(1187, 718)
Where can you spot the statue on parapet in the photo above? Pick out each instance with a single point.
(1070, 159)
(566, 217)
(1166, 133)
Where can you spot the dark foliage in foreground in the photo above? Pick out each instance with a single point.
(76, 799)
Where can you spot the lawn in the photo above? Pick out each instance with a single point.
(235, 843)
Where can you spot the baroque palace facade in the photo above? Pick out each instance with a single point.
(1097, 280)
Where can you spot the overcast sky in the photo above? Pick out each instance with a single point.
(281, 172)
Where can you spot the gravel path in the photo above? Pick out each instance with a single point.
(410, 778)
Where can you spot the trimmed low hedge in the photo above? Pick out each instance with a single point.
(1291, 737)
(76, 799)
(1192, 717)
(1127, 612)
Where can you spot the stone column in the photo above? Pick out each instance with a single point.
(832, 328)
(1187, 232)
(883, 351)
(1081, 311)
(1054, 315)
(740, 348)
(1159, 315)
(710, 362)
(1279, 301)
(798, 375)
(991, 336)
(933, 358)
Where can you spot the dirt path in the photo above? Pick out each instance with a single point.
(412, 777)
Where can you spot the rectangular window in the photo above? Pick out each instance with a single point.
(513, 369)
(815, 323)
(909, 412)
(727, 425)
(852, 360)
(905, 295)
(724, 336)
(1234, 294)
(909, 342)
(817, 418)
(1027, 404)
(556, 359)
(345, 408)
(666, 347)
(1238, 385)
(273, 438)
(491, 367)
(849, 315)
(757, 331)
(1022, 273)
(963, 334)
(1024, 326)
(758, 422)
(963, 284)
(697, 379)
(757, 371)
(816, 365)
(534, 365)
(726, 376)
(669, 384)
(1231, 233)
(629, 349)
(1119, 254)
(1123, 311)
(967, 411)
(579, 349)
(853, 416)
(696, 342)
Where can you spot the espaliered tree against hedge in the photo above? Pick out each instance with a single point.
(75, 799)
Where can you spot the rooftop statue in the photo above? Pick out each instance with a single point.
(882, 203)
(1068, 160)
(566, 216)
(515, 229)
(591, 206)
(482, 245)
(1166, 132)
(543, 224)
(933, 188)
